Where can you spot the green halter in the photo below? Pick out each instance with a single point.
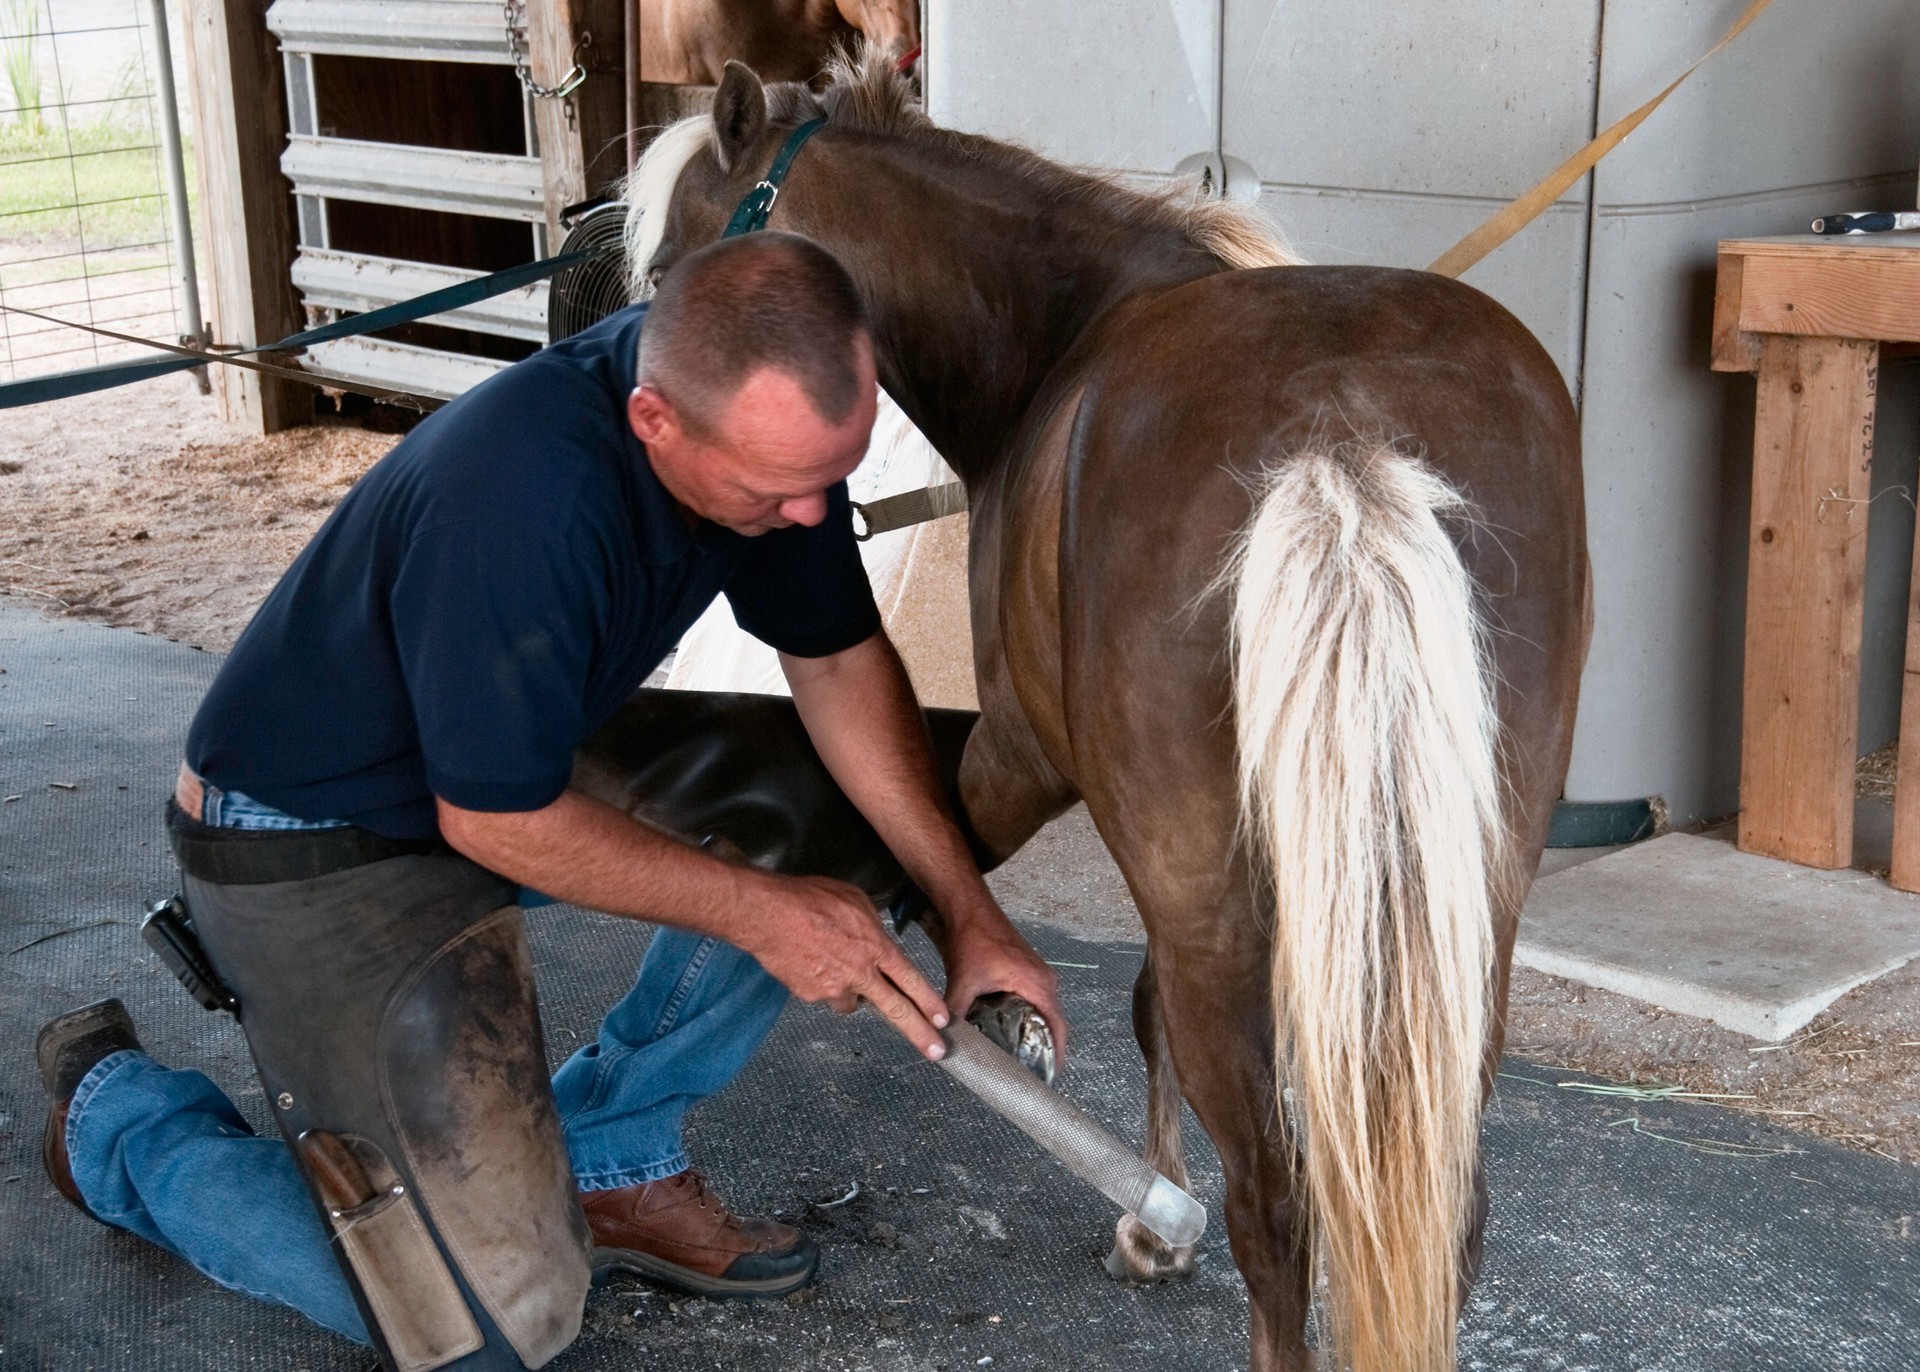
(750, 216)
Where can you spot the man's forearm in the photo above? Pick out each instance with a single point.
(817, 937)
(861, 715)
(860, 712)
(585, 852)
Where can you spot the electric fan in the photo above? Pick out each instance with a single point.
(587, 292)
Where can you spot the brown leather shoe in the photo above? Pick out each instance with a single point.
(678, 1233)
(68, 1047)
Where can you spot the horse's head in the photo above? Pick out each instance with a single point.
(889, 26)
(694, 174)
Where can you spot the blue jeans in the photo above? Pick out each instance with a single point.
(161, 1152)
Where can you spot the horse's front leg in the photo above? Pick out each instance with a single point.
(1138, 1253)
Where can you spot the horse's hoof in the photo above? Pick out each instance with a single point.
(1140, 1255)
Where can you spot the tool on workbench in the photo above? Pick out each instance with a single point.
(1867, 221)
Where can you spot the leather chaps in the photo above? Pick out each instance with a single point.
(390, 1009)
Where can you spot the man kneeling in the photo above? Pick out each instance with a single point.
(382, 764)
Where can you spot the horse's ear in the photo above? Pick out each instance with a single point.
(739, 114)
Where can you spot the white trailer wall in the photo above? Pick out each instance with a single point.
(1815, 108)
(1382, 134)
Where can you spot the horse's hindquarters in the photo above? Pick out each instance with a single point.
(1216, 382)
(1335, 379)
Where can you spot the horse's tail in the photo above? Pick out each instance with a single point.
(1370, 793)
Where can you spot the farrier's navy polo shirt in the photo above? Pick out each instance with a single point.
(488, 594)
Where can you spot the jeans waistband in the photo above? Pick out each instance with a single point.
(202, 800)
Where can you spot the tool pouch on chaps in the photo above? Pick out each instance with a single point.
(390, 1010)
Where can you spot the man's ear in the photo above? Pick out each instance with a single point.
(649, 414)
(739, 114)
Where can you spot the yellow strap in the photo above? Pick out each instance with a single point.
(1522, 212)
(910, 507)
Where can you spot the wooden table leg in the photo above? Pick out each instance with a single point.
(1806, 574)
(1906, 792)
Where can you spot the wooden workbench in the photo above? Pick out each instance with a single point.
(1810, 316)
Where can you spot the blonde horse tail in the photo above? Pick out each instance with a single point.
(1370, 793)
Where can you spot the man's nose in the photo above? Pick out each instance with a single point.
(807, 510)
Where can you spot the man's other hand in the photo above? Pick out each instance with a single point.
(822, 940)
(984, 953)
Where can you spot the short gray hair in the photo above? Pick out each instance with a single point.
(757, 300)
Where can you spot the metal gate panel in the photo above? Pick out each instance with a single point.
(430, 372)
(1129, 85)
(355, 283)
(415, 30)
(421, 178)
(323, 168)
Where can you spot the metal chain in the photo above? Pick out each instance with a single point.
(516, 13)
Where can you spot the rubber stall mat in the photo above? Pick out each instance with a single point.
(948, 1240)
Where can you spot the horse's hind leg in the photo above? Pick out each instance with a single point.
(1138, 1253)
(1211, 960)
(1211, 963)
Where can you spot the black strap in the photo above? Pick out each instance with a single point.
(750, 215)
(35, 389)
(259, 857)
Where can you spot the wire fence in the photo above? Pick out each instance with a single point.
(84, 226)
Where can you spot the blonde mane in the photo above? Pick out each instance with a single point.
(649, 190)
(865, 94)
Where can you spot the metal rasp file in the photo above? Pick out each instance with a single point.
(1071, 1135)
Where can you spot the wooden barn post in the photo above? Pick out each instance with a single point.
(582, 135)
(240, 121)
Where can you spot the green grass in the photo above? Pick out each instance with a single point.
(84, 223)
(19, 61)
(102, 183)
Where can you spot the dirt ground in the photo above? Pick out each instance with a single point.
(138, 509)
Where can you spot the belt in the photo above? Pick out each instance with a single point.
(258, 857)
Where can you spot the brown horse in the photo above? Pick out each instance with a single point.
(1282, 569)
(688, 42)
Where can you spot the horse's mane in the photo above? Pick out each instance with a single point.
(649, 190)
(866, 94)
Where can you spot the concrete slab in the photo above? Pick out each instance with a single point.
(1556, 860)
(1696, 926)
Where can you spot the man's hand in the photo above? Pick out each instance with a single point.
(984, 953)
(859, 710)
(822, 940)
